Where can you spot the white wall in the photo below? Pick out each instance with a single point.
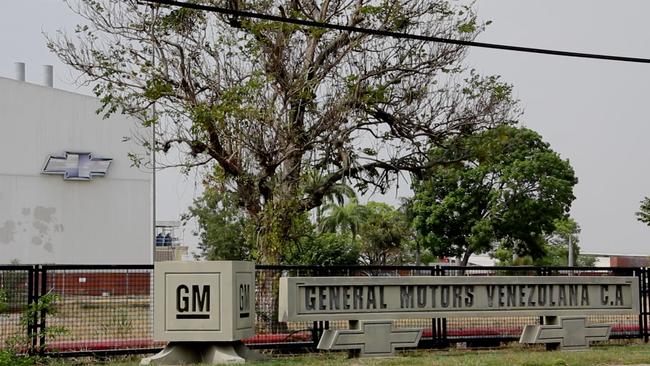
(44, 219)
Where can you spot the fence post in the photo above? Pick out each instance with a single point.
(642, 274)
(438, 325)
(30, 300)
(35, 289)
(540, 272)
(644, 302)
(444, 339)
(43, 312)
(317, 332)
(434, 325)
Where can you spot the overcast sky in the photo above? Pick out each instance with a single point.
(594, 113)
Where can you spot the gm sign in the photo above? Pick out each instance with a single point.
(195, 305)
(191, 299)
(204, 301)
(245, 300)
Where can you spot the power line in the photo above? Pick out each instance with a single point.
(311, 23)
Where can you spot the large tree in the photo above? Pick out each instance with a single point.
(508, 189)
(267, 103)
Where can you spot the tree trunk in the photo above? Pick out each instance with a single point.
(465, 258)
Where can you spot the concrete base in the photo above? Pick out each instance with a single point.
(210, 353)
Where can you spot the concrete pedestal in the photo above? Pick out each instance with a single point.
(211, 353)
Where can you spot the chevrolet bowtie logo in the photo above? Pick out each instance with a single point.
(77, 166)
(375, 338)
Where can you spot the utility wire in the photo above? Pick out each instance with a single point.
(310, 23)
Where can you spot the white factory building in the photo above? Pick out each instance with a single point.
(68, 191)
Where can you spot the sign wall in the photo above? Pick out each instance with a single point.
(367, 298)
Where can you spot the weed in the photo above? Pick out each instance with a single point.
(118, 326)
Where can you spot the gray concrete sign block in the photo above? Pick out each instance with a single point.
(204, 309)
(204, 301)
(379, 298)
(374, 338)
(569, 333)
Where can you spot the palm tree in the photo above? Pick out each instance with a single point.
(344, 217)
(338, 193)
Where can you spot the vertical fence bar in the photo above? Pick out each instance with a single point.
(318, 326)
(35, 300)
(43, 312)
(30, 301)
(314, 334)
(434, 328)
(643, 304)
(541, 272)
(438, 325)
(639, 275)
(444, 339)
(35, 297)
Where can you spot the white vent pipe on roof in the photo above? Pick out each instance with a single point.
(48, 75)
(20, 70)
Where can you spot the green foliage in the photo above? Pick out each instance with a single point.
(324, 249)
(555, 248)
(4, 300)
(338, 193)
(157, 89)
(384, 233)
(379, 231)
(226, 232)
(468, 27)
(119, 325)
(182, 20)
(375, 233)
(224, 229)
(586, 260)
(283, 227)
(20, 342)
(9, 357)
(643, 215)
(506, 187)
(341, 218)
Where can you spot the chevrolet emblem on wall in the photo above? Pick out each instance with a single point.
(77, 166)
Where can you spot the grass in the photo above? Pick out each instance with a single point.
(516, 355)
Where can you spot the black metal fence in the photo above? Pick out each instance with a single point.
(108, 309)
(15, 293)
